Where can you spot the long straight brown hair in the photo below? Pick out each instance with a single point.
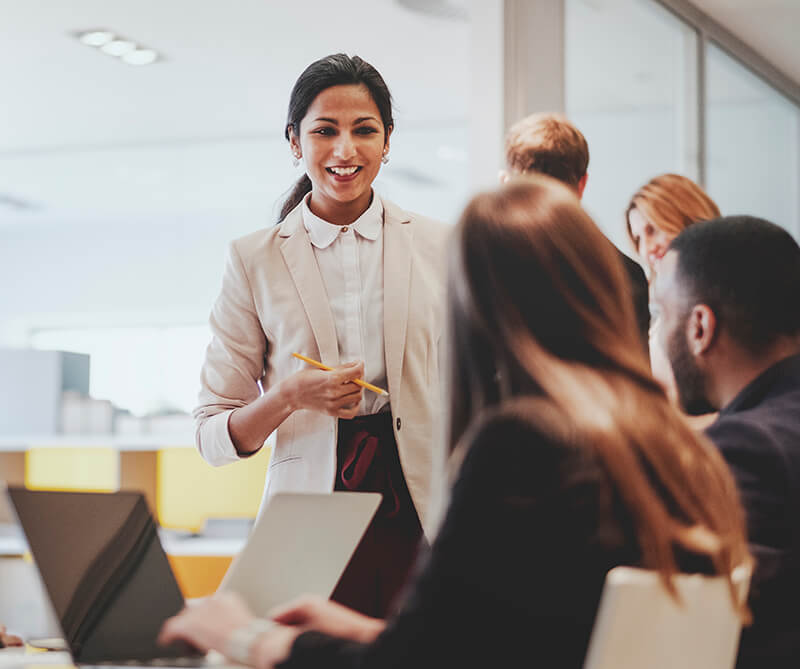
(539, 307)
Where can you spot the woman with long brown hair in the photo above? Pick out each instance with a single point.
(658, 212)
(568, 460)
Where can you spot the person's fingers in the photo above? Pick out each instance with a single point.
(344, 401)
(298, 609)
(179, 628)
(295, 616)
(347, 413)
(349, 372)
(348, 399)
(349, 387)
(169, 631)
(8, 640)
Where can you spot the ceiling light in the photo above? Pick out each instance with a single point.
(443, 9)
(118, 47)
(96, 37)
(140, 57)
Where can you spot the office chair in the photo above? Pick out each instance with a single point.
(639, 625)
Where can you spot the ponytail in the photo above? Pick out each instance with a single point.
(299, 191)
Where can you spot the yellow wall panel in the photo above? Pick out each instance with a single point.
(72, 469)
(189, 490)
(199, 575)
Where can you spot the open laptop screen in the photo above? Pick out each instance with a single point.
(104, 569)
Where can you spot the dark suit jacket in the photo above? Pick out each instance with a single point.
(640, 292)
(758, 433)
(515, 574)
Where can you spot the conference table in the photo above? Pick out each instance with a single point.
(28, 658)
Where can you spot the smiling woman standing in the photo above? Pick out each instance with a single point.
(349, 279)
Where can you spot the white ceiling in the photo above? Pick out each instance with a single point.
(770, 27)
(84, 136)
(227, 71)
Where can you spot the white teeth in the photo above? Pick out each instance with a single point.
(343, 171)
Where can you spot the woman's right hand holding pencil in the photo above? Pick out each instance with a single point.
(331, 392)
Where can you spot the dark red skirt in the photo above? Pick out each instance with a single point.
(367, 461)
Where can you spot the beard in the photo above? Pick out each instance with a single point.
(690, 381)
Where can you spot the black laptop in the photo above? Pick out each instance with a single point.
(106, 573)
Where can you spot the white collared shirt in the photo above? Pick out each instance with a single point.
(350, 259)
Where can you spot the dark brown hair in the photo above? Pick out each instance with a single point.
(538, 308)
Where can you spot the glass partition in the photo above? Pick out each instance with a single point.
(626, 80)
(753, 144)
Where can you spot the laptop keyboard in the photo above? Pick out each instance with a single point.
(177, 662)
(197, 661)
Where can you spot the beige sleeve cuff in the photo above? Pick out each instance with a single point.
(214, 440)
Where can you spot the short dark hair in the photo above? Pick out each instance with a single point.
(747, 271)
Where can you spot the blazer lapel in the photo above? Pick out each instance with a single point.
(396, 284)
(299, 256)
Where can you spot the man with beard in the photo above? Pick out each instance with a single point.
(728, 296)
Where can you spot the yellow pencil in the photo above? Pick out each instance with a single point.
(358, 382)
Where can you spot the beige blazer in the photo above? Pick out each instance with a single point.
(273, 302)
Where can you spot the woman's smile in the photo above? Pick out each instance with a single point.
(342, 141)
(344, 172)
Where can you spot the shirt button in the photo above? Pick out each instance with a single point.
(398, 423)
(345, 229)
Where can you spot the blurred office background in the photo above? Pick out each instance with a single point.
(120, 185)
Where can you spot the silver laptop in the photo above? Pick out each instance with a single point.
(111, 585)
(300, 544)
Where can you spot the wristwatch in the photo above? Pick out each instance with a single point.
(240, 643)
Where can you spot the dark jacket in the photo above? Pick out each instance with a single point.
(515, 574)
(640, 292)
(758, 434)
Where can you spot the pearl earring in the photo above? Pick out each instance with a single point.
(296, 159)
(385, 159)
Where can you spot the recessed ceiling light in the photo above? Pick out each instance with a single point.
(96, 37)
(443, 9)
(140, 57)
(118, 47)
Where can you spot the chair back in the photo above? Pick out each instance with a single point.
(639, 625)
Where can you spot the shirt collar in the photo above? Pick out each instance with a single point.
(782, 376)
(322, 233)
